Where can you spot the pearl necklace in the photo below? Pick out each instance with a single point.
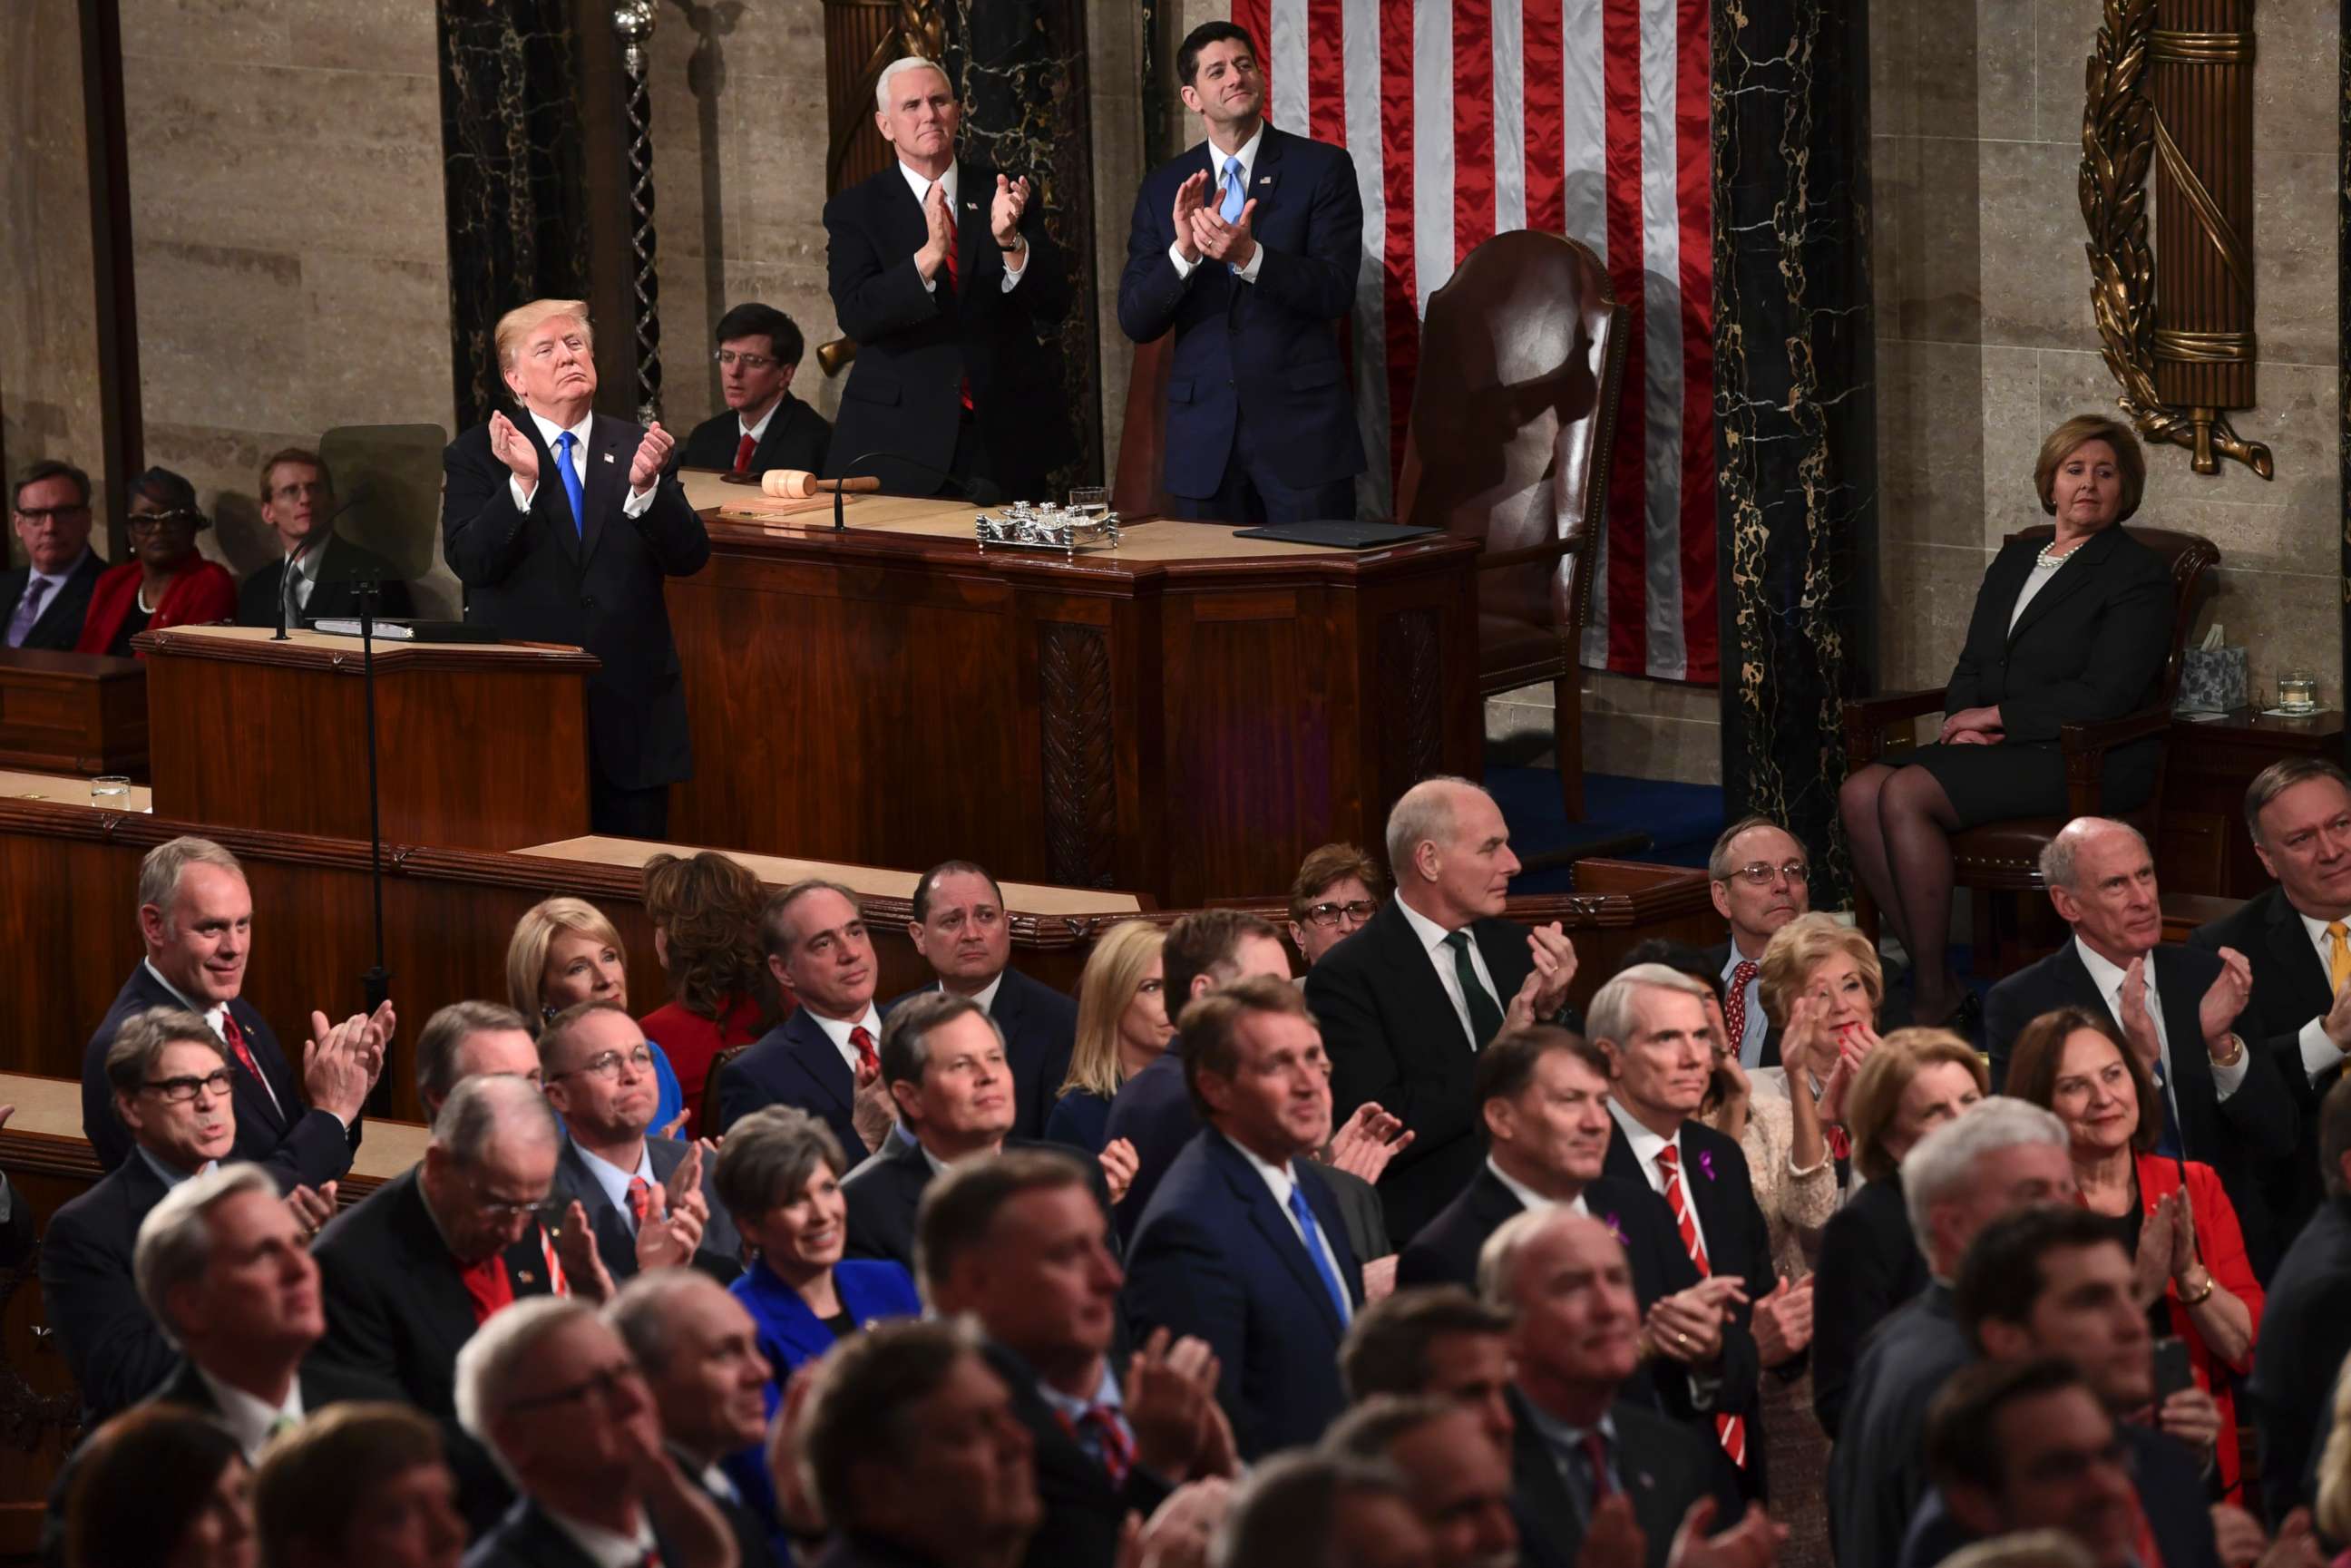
(2049, 556)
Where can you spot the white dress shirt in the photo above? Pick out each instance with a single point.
(1441, 958)
(755, 433)
(951, 183)
(216, 1019)
(632, 505)
(1644, 1145)
(1529, 1198)
(2109, 980)
(837, 1031)
(1215, 200)
(2034, 582)
(250, 1420)
(602, 1546)
(615, 1181)
(1757, 1028)
(2320, 1055)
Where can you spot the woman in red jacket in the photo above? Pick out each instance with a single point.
(706, 915)
(165, 583)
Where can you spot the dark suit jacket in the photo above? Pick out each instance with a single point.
(300, 1145)
(1716, 956)
(754, 1543)
(2171, 1491)
(1394, 1038)
(885, 1192)
(1878, 1471)
(336, 594)
(2305, 1335)
(537, 577)
(526, 1537)
(1869, 1265)
(1664, 1466)
(915, 349)
(115, 1351)
(1263, 352)
(796, 437)
(1084, 1512)
(60, 626)
(1040, 1026)
(721, 1252)
(794, 1064)
(2234, 1136)
(1216, 1256)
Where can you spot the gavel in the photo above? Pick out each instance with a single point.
(798, 485)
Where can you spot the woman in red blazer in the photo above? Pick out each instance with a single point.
(165, 583)
(2186, 1245)
(705, 915)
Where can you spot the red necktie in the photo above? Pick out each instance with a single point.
(1111, 1437)
(1732, 1429)
(867, 1063)
(1734, 1004)
(955, 287)
(641, 1200)
(1596, 1454)
(234, 1035)
(743, 454)
(489, 1285)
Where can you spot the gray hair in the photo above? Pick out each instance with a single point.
(488, 1365)
(1611, 1014)
(175, 1240)
(1286, 1513)
(487, 1107)
(899, 68)
(766, 1158)
(905, 1049)
(1497, 1260)
(639, 1312)
(2058, 854)
(446, 1031)
(140, 1042)
(1424, 815)
(1942, 1165)
(2281, 775)
(160, 871)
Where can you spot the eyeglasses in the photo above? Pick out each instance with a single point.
(1761, 873)
(509, 1208)
(36, 514)
(179, 1091)
(1358, 911)
(603, 1384)
(730, 359)
(607, 1064)
(156, 522)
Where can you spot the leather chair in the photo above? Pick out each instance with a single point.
(1514, 429)
(1139, 485)
(2000, 860)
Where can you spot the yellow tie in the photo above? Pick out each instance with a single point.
(2338, 955)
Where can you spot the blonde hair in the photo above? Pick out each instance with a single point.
(2130, 463)
(524, 320)
(1115, 970)
(1876, 1096)
(536, 932)
(2333, 1511)
(1801, 945)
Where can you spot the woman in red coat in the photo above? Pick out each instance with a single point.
(705, 915)
(165, 583)
(2185, 1245)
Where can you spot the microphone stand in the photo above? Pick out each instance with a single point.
(376, 983)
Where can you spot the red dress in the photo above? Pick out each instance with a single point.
(204, 593)
(693, 1041)
(2222, 1245)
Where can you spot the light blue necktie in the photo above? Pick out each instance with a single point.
(1236, 196)
(564, 444)
(1314, 1250)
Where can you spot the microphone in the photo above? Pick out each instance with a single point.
(798, 485)
(286, 580)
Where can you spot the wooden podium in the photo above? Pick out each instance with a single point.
(478, 746)
(72, 713)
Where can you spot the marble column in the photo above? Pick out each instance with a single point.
(511, 142)
(1795, 407)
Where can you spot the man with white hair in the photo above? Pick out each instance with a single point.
(1407, 1002)
(1999, 1156)
(2223, 1104)
(941, 269)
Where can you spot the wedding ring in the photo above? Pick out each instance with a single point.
(1681, 1339)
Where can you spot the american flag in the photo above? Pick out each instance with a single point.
(1587, 118)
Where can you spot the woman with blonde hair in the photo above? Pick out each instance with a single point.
(564, 952)
(1122, 1024)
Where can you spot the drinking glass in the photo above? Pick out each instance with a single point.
(110, 790)
(2297, 692)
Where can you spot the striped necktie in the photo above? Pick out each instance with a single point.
(1730, 1430)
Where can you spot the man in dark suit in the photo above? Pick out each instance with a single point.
(1761, 879)
(825, 1058)
(1409, 1000)
(765, 427)
(1458, 1476)
(2306, 1324)
(42, 603)
(1021, 1246)
(1246, 248)
(961, 928)
(1243, 1244)
(562, 529)
(943, 273)
(1578, 1446)
(317, 576)
(2296, 936)
(2224, 1104)
(650, 1201)
(196, 918)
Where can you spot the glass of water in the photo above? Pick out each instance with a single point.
(112, 791)
(2297, 692)
(1087, 496)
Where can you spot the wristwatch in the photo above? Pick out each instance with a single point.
(2236, 1052)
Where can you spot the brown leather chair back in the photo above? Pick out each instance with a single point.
(1514, 420)
(2193, 558)
(1139, 488)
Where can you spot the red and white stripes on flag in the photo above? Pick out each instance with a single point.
(1587, 118)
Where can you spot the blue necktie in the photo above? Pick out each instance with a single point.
(563, 446)
(1314, 1250)
(1236, 198)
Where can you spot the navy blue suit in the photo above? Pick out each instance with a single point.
(1153, 1111)
(1214, 1255)
(789, 1334)
(1260, 357)
(794, 1064)
(116, 1352)
(721, 1252)
(1040, 1027)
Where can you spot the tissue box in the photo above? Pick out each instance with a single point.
(2211, 680)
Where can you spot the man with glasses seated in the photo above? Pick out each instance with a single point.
(1339, 888)
(650, 1201)
(43, 603)
(765, 427)
(1761, 879)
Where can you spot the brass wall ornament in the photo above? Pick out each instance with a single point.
(2170, 85)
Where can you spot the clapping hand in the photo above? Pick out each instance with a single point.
(1231, 243)
(1753, 1543)
(871, 1110)
(338, 1068)
(1687, 1326)
(1783, 1321)
(312, 1208)
(1004, 213)
(939, 235)
(513, 449)
(1118, 1162)
(575, 1249)
(1180, 1530)
(2228, 995)
(2138, 1024)
(652, 455)
(1545, 990)
(669, 1234)
(1189, 197)
(1171, 1386)
(1367, 1143)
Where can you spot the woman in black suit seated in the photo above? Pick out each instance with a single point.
(2070, 632)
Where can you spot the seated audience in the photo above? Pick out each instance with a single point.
(704, 911)
(466, 1040)
(161, 1485)
(1428, 982)
(1760, 879)
(824, 1058)
(779, 1177)
(551, 1390)
(1435, 1340)
(42, 603)
(1458, 1476)
(2017, 1446)
(1021, 1247)
(1575, 1341)
(2001, 1156)
(2171, 1218)
(318, 573)
(361, 1486)
(765, 427)
(1914, 1081)
(195, 920)
(2033, 660)
(2223, 1103)
(2306, 1323)
(166, 581)
(648, 1199)
(915, 1455)
(962, 931)
(698, 1352)
(564, 952)
(1242, 1245)
(1122, 1028)
(1338, 891)
(1317, 1510)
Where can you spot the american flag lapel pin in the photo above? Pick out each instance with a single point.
(971, 206)
(524, 1275)
(608, 457)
